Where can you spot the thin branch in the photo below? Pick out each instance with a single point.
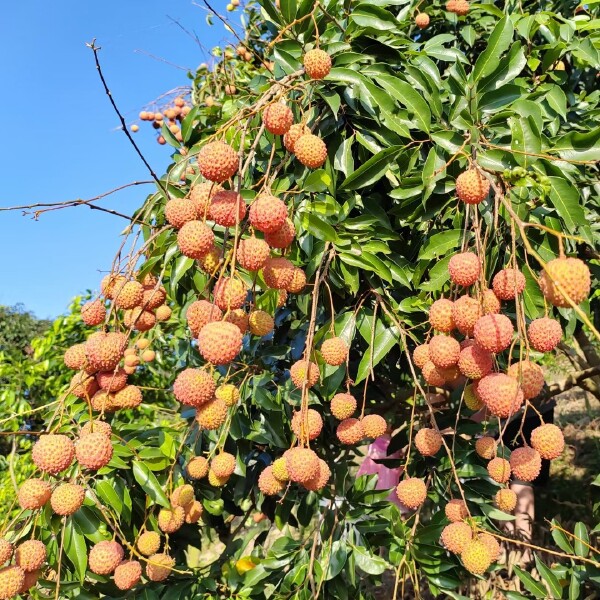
(573, 380)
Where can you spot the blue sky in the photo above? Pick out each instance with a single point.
(58, 131)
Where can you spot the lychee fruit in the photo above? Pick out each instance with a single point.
(193, 512)
(291, 137)
(280, 471)
(223, 464)
(194, 387)
(12, 579)
(278, 273)
(130, 295)
(229, 393)
(334, 351)
(30, 579)
(493, 332)
(303, 373)
(456, 536)
(153, 297)
(163, 313)
(411, 492)
(506, 500)
(544, 334)
(211, 261)
(433, 375)
(456, 510)
(319, 481)
(317, 63)
(239, 318)
(159, 567)
(572, 274)
(530, 377)
(471, 187)
(548, 440)
(96, 426)
(83, 385)
(171, 519)
(278, 118)
(476, 556)
(350, 431)
(475, 362)
(105, 350)
(464, 268)
(491, 543)
(139, 319)
(307, 425)
(195, 239)
(129, 397)
(30, 555)
(471, 399)
(282, 237)
(230, 293)
(490, 303)
(343, 406)
(75, 357)
(440, 315)
(201, 195)
(219, 342)
(148, 543)
(104, 557)
(212, 414)
(525, 463)
(261, 323)
(34, 493)
(227, 208)
(179, 211)
(93, 312)
(267, 213)
(112, 381)
(297, 282)
(302, 464)
(201, 312)
(268, 484)
(428, 441)
(465, 313)
(215, 480)
(499, 469)
(444, 351)
(197, 467)
(6, 551)
(111, 283)
(310, 150)
(94, 451)
(53, 453)
(501, 394)
(127, 574)
(421, 355)
(373, 426)
(422, 20)
(252, 253)
(218, 161)
(67, 498)
(508, 283)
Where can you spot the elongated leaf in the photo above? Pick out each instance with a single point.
(371, 171)
(549, 577)
(565, 199)
(440, 244)
(367, 562)
(409, 97)
(525, 141)
(498, 43)
(75, 548)
(560, 539)
(149, 483)
(318, 227)
(373, 17)
(581, 540)
(534, 587)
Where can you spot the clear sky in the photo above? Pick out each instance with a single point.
(58, 130)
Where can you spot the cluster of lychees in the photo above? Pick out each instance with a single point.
(168, 115)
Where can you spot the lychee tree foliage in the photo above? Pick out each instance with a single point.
(401, 236)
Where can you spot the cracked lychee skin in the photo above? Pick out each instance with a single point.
(33, 494)
(493, 332)
(350, 431)
(544, 334)
(12, 579)
(465, 313)
(148, 543)
(499, 469)
(572, 274)
(475, 362)
(530, 377)
(220, 342)
(67, 499)
(159, 567)
(440, 315)
(83, 385)
(343, 406)
(456, 510)
(525, 463)
(471, 187)
(422, 20)
(197, 468)
(93, 312)
(373, 426)
(218, 161)
(411, 492)
(491, 543)
(30, 555)
(104, 557)
(501, 394)
(193, 512)
(302, 464)
(261, 323)
(224, 207)
(508, 283)
(53, 453)
(201, 195)
(303, 373)
(476, 556)
(75, 357)
(464, 268)
(179, 211)
(291, 137)
(297, 282)
(6, 551)
(486, 447)
(317, 63)
(201, 312)
(428, 441)
(311, 423)
(444, 351)
(268, 484)
(223, 465)
(239, 318)
(94, 451)
(194, 387)
(310, 150)
(278, 118)
(282, 237)
(230, 293)
(171, 519)
(548, 440)
(105, 350)
(471, 399)
(139, 319)
(130, 295)
(195, 239)
(212, 414)
(506, 500)
(267, 213)
(229, 393)
(280, 471)
(113, 381)
(252, 253)
(433, 375)
(456, 536)
(421, 355)
(319, 481)
(334, 351)
(127, 574)
(129, 397)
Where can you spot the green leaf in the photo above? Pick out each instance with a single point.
(367, 562)
(526, 141)
(440, 244)
(373, 17)
(409, 97)
(75, 547)
(510, 67)
(561, 539)
(317, 227)
(579, 146)
(149, 483)
(498, 43)
(565, 199)
(534, 587)
(371, 171)
(549, 577)
(557, 100)
(288, 10)
(337, 559)
(581, 540)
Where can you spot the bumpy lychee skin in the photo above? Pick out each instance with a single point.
(471, 399)
(130, 295)
(422, 20)
(218, 161)
(163, 313)
(412, 492)
(444, 351)
(493, 332)
(171, 519)
(212, 414)
(33, 494)
(223, 464)
(508, 283)
(476, 555)
(113, 381)
(294, 132)
(304, 372)
(53, 453)
(228, 393)
(83, 385)
(201, 195)
(93, 312)
(486, 447)
(239, 318)
(104, 557)
(499, 469)
(193, 512)
(105, 350)
(501, 394)
(311, 151)
(74, 357)
(544, 334)
(159, 567)
(465, 313)
(506, 500)
(197, 468)
(139, 319)
(219, 342)
(261, 323)
(282, 237)
(317, 63)
(471, 187)
(129, 397)
(440, 315)
(280, 471)
(307, 426)
(268, 484)
(6, 551)
(525, 463)
(200, 313)
(433, 375)
(428, 441)
(334, 351)
(128, 574)
(67, 499)
(343, 406)
(421, 355)
(572, 274)
(490, 303)
(298, 281)
(319, 481)
(110, 284)
(267, 213)
(215, 480)
(530, 377)
(456, 510)
(491, 543)
(278, 273)
(12, 579)
(179, 211)
(302, 464)
(475, 362)
(230, 293)
(278, 118)
(211, 261)
(30, 555)
(456, 536)
(374, 426)
(148, 543)
(227, 208)
(94, 451)
(548, 440)
(252, 253)
(464, 268)
(195, 239)
(350, 431)
(194, 387)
